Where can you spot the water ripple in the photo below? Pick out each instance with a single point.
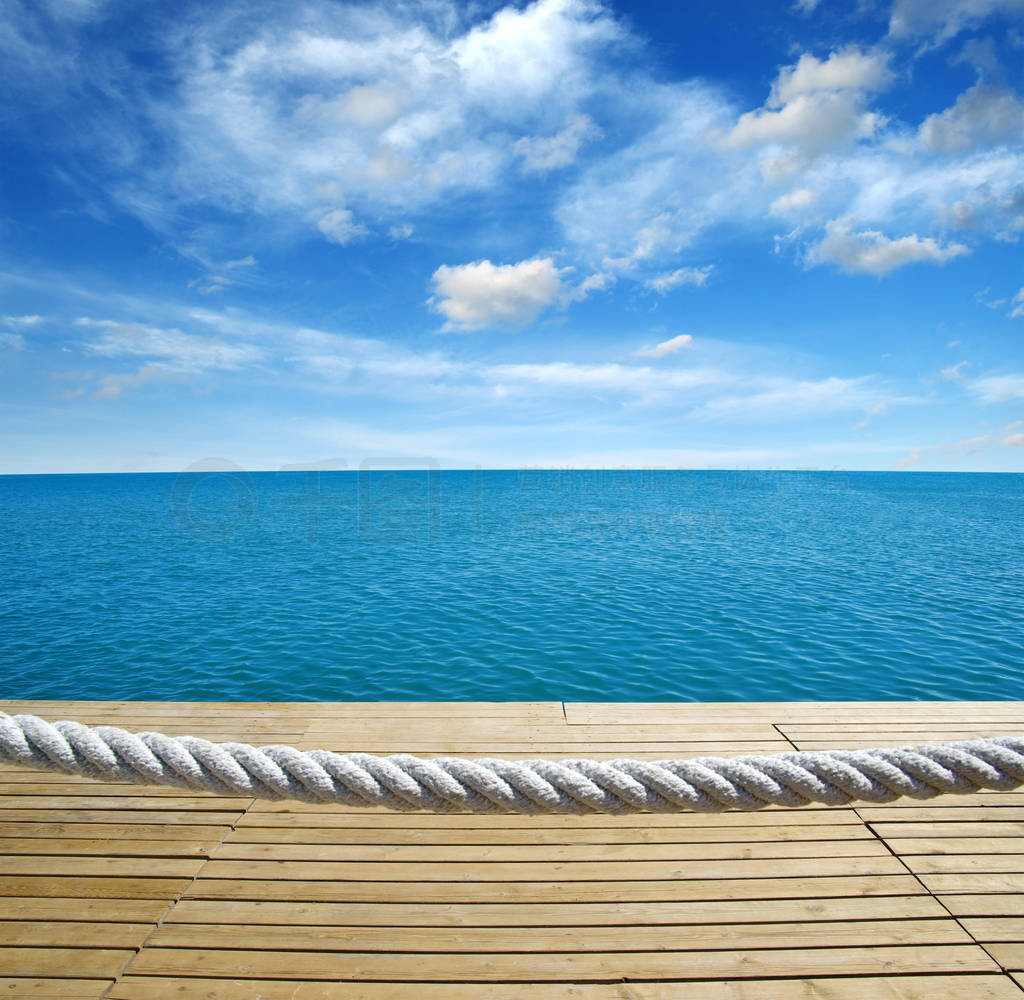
(513, 586)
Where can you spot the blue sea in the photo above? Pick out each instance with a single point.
(521, 585)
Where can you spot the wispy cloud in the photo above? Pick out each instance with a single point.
(954, 372)
(666, 347)
(12, 341)
(950, 450)
(169, 353)
(544, 153)
(662, 283)
(792, 398)
(944, 20)
(998, 388)
(22, 322)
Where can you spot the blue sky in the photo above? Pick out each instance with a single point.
(567, 233)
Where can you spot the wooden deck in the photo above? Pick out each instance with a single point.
(135, 893)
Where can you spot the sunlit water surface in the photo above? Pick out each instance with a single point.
(523, 585)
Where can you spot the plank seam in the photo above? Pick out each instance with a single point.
(126, 969)
(938, 899)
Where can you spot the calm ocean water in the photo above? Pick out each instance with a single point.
(603, 585)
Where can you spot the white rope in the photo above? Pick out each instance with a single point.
(450, 784)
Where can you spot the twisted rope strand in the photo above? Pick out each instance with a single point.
(451, 784)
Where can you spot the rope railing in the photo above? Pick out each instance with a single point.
(452, 784)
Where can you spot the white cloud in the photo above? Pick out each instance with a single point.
(248, 261)
(22, 321)
(12, 341)
(954, 372)
(544, 153)
(984, 115)
(376, 109)
(1018, 305)
(666, 347)
(370, 106)
(340, 227)
(848, 69)
(818, 135)
(812, 123)
(814, 106)
(112, 386)
(970, 446)
(912, 459)
(794, 202)
(795, 398)
(179, 352)
(1013, 441)
(943, 19)
(595, 282)
(998, 388)
(662, 283)
(872, 252)
(878, 410)
(482, 294)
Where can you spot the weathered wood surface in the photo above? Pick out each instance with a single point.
(134, 893)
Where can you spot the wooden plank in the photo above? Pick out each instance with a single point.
(561, 967)
(546, 854)
(1006, 904)
(741, 905)
(398, 871)
(108, 847)
(296, 814)
(249, 834)
(126, 819)
(159, 988)
(954, 801)
(620, 914)
(19, 865)
(103, 910)
(72, 934)
(92, 888)
(488, 733)
(903, 987)
(973, 883)
(83, 788)
(156, 832)
(797, 729)
(21, 988)
(953, 812)
(860, 743)
(912, 987)
(578, 940)
(79, 963)
(477, 749)
(987, 828)
(333, 890)
(996, 928)
(59, 805)
(1009, 956)
(967, 863)
(957, 845)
